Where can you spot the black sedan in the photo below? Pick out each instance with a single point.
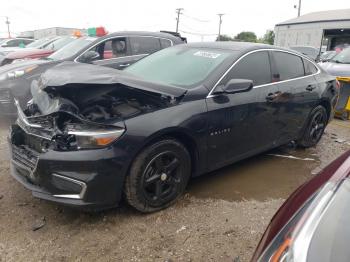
(92, 134)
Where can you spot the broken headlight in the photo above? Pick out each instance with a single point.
(95, 138)
(17, 73)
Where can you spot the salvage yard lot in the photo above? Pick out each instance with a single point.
(218, 219)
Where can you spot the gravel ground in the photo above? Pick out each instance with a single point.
(192, 230)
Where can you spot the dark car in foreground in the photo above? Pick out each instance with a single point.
(116, 50)
(313, 223)
(93, 134)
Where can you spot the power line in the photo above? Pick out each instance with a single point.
(195, 18)
(178, 11)
(196, 33)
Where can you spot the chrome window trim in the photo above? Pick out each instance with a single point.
(72, 196)
(269, 84)
(119, 57)
(112, 37)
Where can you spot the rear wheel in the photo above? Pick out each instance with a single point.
(315, 128)
(158, 176)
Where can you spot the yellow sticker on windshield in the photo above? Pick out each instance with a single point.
(207, 54)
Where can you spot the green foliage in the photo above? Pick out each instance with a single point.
(268, 38)
(246, 36)
(224, 38)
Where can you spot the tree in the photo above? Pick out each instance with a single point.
(246, 36)
(268, 38)
(224, 38)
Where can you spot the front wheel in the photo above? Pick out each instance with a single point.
(158, 176)
(315, 127)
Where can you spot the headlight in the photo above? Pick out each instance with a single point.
(18, 73)
(95, 139)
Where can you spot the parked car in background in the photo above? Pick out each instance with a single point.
(117, 50)
(339, 66)
(37, 44)
(42, 51)
(92, 133)
(309, 51)
(326, 56)
(312, 224)
(15, 42)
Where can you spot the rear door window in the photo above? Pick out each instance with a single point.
(165, 43)
(289, 66)
(144, 45)
(255, 66)
(310, 68)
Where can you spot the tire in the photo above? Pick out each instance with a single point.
(315, 127)
(158, 176)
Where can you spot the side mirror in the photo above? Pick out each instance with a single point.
(238, 86)
(89, 56)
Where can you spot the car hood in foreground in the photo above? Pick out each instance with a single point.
(70, 73)
(336, 69)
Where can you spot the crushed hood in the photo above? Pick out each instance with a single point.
(70, 73)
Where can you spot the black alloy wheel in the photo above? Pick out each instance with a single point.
(158, 175)
(315, 128)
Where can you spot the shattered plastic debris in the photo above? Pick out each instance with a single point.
(292, 157)
(340, 140)
(39, 224)
(181, 229)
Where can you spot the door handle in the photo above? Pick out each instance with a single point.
(124, 65)
(310, 87)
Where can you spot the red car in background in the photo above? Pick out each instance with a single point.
(51, 46)
(313, 224)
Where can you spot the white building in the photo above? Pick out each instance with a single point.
(52, 31)
(327, 29)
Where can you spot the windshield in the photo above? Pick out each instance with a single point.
(59, 43)
(72, 48)
(343, 57)
(39, 43)
(179, 66)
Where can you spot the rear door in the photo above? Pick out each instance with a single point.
(142, 46)
(299, 91)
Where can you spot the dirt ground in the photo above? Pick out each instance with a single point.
(221, 217)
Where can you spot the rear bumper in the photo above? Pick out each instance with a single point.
(90, 179)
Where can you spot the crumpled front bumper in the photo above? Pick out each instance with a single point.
(89, 179)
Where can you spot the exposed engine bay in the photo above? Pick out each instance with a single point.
(83, 106)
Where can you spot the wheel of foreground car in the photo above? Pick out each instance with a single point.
(158, 176)
(315, 127)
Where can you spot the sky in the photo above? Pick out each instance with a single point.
(199, 21)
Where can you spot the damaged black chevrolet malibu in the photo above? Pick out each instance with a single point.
(93, 135)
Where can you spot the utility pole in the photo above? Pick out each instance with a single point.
(220, 22)
(8, 26)
(299, 7)
(178, 11)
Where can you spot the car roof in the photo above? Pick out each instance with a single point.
(242, 47)
(145, 33)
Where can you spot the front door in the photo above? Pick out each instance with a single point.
(235, 131)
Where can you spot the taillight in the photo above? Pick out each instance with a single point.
(291, 244)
